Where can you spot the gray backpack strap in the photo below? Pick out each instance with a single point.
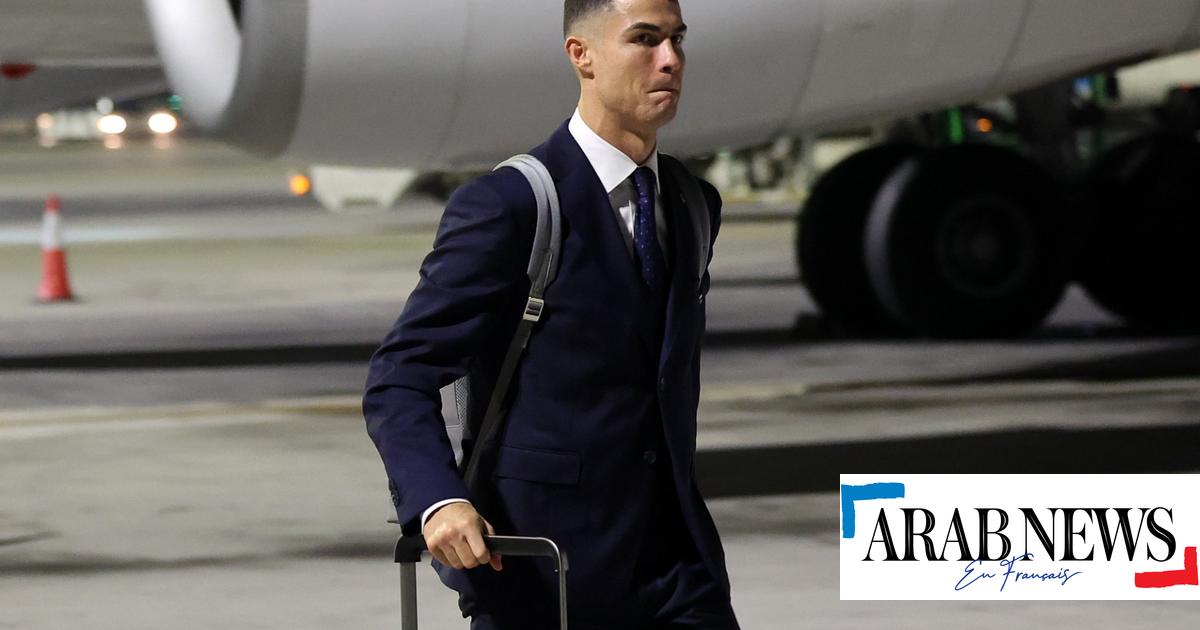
(543, 267)
(543, 258)
(697, 206)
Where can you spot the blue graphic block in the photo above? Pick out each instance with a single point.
(850, 494)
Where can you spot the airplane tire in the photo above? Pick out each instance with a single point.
(829, 240)
(968, 241)
(1142, 262)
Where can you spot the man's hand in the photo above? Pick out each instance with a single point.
(454, 535)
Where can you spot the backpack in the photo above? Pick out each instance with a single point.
(481, 425)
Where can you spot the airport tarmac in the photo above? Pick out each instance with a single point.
(183, 445)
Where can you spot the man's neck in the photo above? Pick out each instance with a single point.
(637, 145)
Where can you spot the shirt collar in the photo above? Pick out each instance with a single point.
(611, 165)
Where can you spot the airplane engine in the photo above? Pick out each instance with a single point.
(320, 80)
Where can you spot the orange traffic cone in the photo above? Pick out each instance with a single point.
(55, 286)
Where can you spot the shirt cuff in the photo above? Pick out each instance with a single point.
(429, 510)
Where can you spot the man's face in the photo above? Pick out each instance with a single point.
(637, 60)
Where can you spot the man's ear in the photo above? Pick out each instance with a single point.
(579, 53)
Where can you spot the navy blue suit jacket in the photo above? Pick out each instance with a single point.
(591, 391)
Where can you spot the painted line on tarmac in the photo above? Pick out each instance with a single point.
(751, 391)
(886, 393)
(32, 236)
(46, 422)
(38, 423)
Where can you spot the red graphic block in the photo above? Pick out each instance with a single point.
(1163, 579)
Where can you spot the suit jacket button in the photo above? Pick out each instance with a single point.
(650, 457)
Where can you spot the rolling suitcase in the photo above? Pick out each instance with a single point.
(409, 550)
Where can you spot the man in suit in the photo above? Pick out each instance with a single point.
(598, 446)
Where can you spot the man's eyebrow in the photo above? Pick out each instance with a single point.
(647, 26)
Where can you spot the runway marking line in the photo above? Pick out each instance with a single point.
(33, 423)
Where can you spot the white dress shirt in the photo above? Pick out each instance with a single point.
(614, 169)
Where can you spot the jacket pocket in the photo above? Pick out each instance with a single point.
(541, 465)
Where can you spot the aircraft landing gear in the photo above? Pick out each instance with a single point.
(959, 241)
(830, 245)
(1142, 262)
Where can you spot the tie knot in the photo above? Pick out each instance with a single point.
(643, 180)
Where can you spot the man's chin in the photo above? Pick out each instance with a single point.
(662, 114)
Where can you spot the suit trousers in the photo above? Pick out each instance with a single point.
(673, 588)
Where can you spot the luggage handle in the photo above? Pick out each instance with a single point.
(408, 554)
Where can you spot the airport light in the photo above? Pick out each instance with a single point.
(300, 184)
(162, 123)
(112, 124)
(45, 121)
(984, 125)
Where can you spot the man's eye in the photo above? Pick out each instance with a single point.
(644, 39)
(678, 39)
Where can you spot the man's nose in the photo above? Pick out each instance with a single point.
(670, 57)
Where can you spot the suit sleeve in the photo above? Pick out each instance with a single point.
(467, 284)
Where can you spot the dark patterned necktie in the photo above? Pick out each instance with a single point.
(645, 237)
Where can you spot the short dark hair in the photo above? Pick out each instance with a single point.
(576, 10)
